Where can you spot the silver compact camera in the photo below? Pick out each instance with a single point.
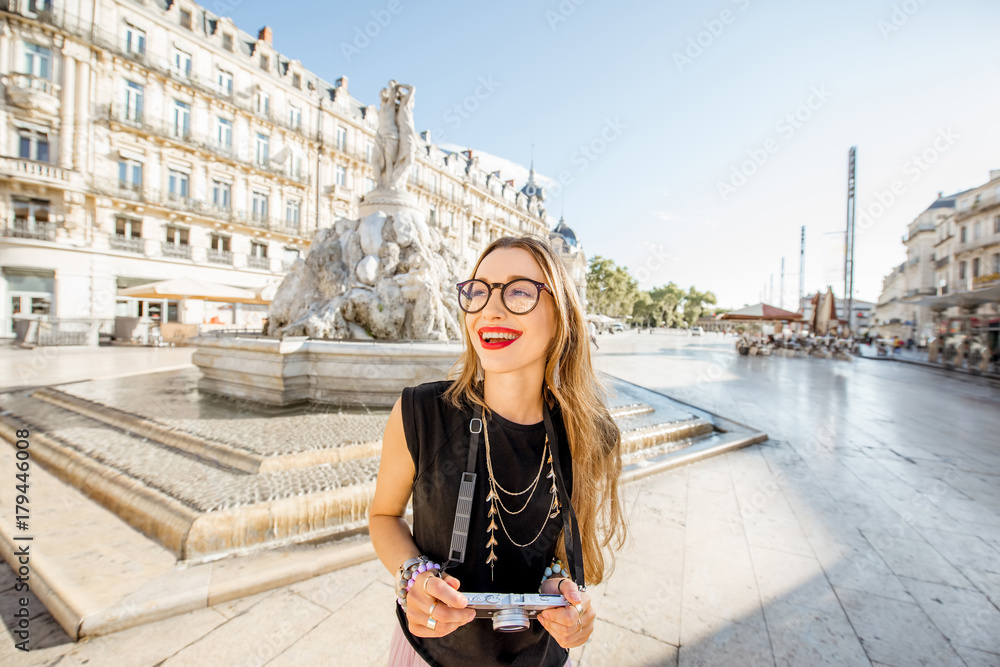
(511, 612)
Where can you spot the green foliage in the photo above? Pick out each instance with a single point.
(613, 292)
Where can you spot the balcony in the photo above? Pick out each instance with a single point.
(31, 92)
(176, 250)
(258, 262)
(22, 228)
(943, 262)
(33, 170)
(220, 256)
(127, 243)
(981, 205)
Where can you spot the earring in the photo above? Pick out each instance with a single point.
(555, 375)
(480, 374)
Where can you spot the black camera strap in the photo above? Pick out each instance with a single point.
(463, 509)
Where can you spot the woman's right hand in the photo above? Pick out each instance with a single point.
(449, 605)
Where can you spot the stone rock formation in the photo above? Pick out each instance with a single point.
(385, 277)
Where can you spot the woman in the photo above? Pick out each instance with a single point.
(526, 367)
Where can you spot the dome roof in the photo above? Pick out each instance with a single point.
(563, 230)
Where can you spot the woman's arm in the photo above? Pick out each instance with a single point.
(394, 543)
(390, 535)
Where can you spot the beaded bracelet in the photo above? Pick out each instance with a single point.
(553, 571)
(408, 576)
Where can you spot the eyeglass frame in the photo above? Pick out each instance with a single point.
(503, 287)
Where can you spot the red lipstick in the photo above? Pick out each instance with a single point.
(506, 337)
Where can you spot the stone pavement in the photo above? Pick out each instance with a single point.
(866, 531)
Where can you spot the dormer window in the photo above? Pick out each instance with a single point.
(185, 19)
(227, 41)
(265, 62)
(297, 81)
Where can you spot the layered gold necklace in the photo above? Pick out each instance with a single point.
(496, 507)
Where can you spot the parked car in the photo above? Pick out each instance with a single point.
(697, 331)
(617, 326)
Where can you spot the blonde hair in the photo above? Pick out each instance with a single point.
(594, 437)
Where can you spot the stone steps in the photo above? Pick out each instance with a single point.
(195, 509)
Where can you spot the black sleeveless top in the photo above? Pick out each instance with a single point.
(437, 436)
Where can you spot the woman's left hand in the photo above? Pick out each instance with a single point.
(573, 624)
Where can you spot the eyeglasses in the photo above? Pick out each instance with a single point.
(518, 296)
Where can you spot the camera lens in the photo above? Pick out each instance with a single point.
(510, 619)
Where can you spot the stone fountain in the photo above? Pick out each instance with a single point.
(368, 312)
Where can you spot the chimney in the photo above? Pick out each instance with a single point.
(342, 83)
(265, 35)
(940, 194)
(426, 136)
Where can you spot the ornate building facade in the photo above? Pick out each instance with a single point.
(144, 140)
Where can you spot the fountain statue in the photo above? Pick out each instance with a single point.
(386, 278)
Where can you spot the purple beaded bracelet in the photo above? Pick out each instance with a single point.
(408, 576)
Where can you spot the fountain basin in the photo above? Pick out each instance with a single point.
(369, 374)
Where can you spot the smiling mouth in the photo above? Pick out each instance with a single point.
(498, 337)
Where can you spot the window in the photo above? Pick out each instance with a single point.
(34, 145)
(262, 149)
(265, 62)
(178, 183)
(996, 225)
(962, 236)
(961, 270)
(432, 216)
(130, 175)
(185, 19)
(36, 6)
(263, 104)
(224, 132)
(294, 117)
(370, 152)
(433, 184)
(977, 230)
(37, 60)
(130, 228)
(227, 41)
(177, 235)
(451, 219)
(29, 214)
(222, 193)
(225, 83)
(295, 166)
(133, 101)
(415, 174)
(135, 40)
(975, 267)
(182, 119)
(341, 139)
(293, 208)
(220, 243)
(259, 206)
(369, 184)
(996, 264)
(297, 81)
(182, 63)
(340, 175)
(258, 250)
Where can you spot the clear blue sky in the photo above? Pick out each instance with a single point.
(885, 76)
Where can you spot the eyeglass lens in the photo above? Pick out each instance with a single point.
(518, 297)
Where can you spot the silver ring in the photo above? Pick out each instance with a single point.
(425, 584)
(431, 622)
(579, 614)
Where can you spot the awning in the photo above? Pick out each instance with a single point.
(190, 288)
(961, 299)
(762, 312)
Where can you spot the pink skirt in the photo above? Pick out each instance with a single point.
(401, 654)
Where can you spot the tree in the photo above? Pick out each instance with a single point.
(644, 312)
(611, 290)
(694, 304)
(666, 299)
